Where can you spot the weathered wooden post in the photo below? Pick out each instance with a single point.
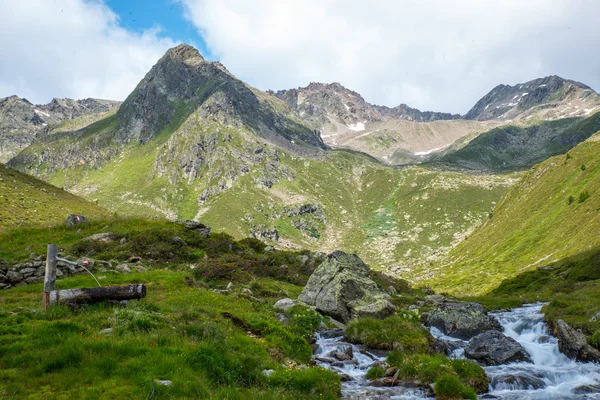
(50, 276)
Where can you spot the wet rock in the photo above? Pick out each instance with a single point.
(331, 333)
(75, 219)
(391, 371)
(587, 389)
(340, 356)
(341, 288)
(461, 319)
(346, 378)
(518, 382)
(494, 348)
(574, 344)
(325, 360)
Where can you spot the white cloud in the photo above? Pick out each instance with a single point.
(71, 48)
(432, 54)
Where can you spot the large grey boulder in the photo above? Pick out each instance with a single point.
(574, 344)
(495, 348)
(461, 319)
(341, 288)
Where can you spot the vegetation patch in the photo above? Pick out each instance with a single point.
(396, 332)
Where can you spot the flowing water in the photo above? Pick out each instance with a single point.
(551, 375)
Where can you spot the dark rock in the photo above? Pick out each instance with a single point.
(331, 333)
(27, 272)
(14, 277)
(587, 389)
(523, 381)
(75, 219)
(340, 356)
(341, 288)
(199, 227)
(177, 241)
(346, 378)
(494, 348)
(574, 344)
(261, 232)
(134, 259)
(461, 319)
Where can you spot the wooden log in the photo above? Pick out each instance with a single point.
(50, 274)
(92, 295)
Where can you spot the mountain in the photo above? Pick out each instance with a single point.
(396, 135)
(26, 201)
(553, 213)
(515, 147)
(546, 98)
(194, 142)
(22, 123)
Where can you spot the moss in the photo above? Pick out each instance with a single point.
(449, 387)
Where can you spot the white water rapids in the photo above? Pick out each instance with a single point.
(551, 375)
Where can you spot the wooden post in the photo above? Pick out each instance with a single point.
(50, 276)
(92, 295)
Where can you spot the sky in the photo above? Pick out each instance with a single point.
(440, 55)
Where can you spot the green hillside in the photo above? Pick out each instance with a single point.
(27, 201)
(551, 214)
(518, 147)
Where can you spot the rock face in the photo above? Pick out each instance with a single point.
(461, 320)
(573, 343)
(341, 288)
(495, 348)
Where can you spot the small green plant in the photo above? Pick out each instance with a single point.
(303, 320)
(570, 200)
(142, 318)
(583, 196)
(583, 167)
(594, 339)
(449, 387)
(375, 372)
(392, 333)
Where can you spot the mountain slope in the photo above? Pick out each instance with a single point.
(551, 214)
(546, 98)
(517, 147)
(22, 123)
(192, 141)
(26, 201)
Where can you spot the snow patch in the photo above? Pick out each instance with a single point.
(347, 108)
(516, 95)
(486, 107)
(41, 112)
(524, 94)
(359, 126)
(424, 153)
(544, 85)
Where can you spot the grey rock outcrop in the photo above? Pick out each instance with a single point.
(199, 227)
(75, 219)
(573, 343)
(461, 319)
(495, 348)
(341, 288)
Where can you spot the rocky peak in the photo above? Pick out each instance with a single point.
(551, 97)
(185, 53)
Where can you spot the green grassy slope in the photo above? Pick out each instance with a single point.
(27, 201)
(518, 147)
(552, 213)
(394, 218)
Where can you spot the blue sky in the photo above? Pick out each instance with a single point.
(141, 15)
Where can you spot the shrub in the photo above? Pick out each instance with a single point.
(392, 333)
(449, 387)
(594, 339)
(375, 372)
(471, 374)
(583, 167)
(570, 200)
(303, 320)
(583, 196)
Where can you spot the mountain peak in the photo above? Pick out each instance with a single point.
(185, 53)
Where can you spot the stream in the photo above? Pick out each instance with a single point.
(551, 375)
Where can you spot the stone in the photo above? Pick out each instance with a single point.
(268, 372)
(574, 344)
(341, 288)
(495, 348)
(14, 277)
(285, 304)
(139, 268)
(526, 381)
(229, 286)
(5, 286)
(391, 371)
(196, 226)
(434, 299)
(269, 248)
(123, 268)
(331, 333)
(75, 219)
(105, 237)
(340, 356)
(106, 331)
(163, 382)
(123, 241)
(177, 241)
(346, 378)
(3, 278)
(26, 272)
(461, 319)
(34, 279)
(134, 259)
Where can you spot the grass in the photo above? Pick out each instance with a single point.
(539, 221)
(397, 333)
(209, 344)
(27, 201)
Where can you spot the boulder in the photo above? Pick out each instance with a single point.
(574, 344)
(196, 226)
(123, 268)
(285, 304)
(341, 288)
(495, 348)
(75, 219)
(461, 319)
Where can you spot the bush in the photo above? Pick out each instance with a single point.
(570, 200)
(594, 339)
(392, 333)
(583, 196)
(303, 320)
(375, 373)
(449, 387)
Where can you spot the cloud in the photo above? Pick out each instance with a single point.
(431, 54)
(71, 48)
